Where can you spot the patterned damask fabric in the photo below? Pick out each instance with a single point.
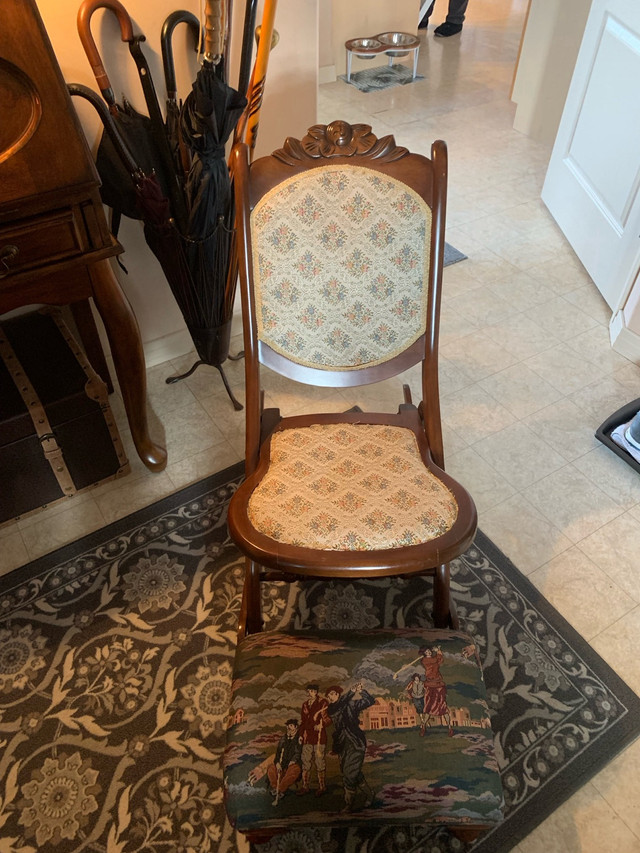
(341, 266)
(350, 487)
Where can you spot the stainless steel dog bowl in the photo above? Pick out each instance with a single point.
(365, 48)
(400, 40)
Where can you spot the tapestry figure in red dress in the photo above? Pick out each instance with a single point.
(435, 689)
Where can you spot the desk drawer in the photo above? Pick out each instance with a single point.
(40, 240)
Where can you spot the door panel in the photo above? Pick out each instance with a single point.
(593, 181)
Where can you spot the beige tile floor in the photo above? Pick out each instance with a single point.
(527, 375)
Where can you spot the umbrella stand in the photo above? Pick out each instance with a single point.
(213, 345)
(212, 339)
(188, 225)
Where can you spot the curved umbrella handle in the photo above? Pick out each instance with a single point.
(86, 10)
(179, 17)
(110, 127)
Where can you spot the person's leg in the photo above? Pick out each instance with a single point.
(272, 776)
(424, 21)
(455, 17)
(456, 11)
(307, 756)
(291, 775)
(321, 769)
(351, 761)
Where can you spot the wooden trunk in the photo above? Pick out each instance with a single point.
(57, 433)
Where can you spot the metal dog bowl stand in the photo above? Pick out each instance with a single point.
(392, 44)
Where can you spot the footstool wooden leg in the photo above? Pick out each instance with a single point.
(441, 613)
(467, 834)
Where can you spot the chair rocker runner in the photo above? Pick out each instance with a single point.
(341, 243)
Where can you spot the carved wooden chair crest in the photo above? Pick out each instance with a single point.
(341, 244)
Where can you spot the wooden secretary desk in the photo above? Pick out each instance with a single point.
(55, 244)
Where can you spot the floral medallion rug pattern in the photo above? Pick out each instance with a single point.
(116, 656)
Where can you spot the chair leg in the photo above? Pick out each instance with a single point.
(251, 613)
(453, 615)
(443, 612)
(467, 834)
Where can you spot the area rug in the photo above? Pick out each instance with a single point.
(116, 655)
(452, 255)
(382, 77)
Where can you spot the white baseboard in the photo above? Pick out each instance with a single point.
(162, 349)
(623, 340)
(327, 74)
(179, 343)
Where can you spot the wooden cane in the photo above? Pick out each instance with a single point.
(247, 127)
(240, 134)
(258, 77)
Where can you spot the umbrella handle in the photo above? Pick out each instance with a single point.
(110, 127)
(86, 10)
(214, 30)
(158, 131)
(175, 18)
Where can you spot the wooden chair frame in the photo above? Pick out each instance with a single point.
(341, 144)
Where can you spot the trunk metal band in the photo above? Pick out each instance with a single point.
(52, 451)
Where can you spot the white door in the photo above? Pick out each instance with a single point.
(593, 181)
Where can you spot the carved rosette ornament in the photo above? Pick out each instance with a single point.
(339, 139)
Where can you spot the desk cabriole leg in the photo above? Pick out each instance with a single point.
(126, 348)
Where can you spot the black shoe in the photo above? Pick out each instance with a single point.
(445, 30)
(424, 23)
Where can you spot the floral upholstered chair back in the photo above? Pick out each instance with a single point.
(340, 266)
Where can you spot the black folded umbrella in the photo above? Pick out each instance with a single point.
(138, 192)
(199, 280)
(144, 136)
(207, 118)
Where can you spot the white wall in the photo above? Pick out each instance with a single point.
(325, 38)
(548, 53)
(289, 108)
(291, 100)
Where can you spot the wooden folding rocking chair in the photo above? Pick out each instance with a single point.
(341, 242)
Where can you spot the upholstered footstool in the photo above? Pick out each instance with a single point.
(379, 727)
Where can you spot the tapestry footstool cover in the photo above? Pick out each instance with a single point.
(380, 726)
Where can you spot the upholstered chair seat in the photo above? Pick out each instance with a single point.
(350, 487)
